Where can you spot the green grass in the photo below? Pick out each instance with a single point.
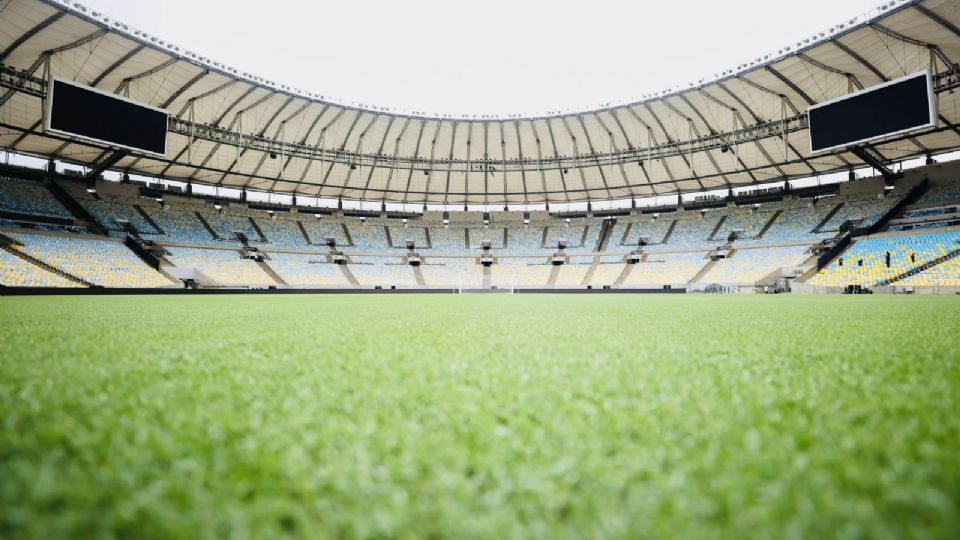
(480, 417)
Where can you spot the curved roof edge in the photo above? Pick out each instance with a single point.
(760, 62)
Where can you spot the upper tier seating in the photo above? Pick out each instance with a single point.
(282, 232)
(103, 262)
(225, 266)
(747, 266)
(180, 225)
(626, 236)
(109, 211)
(693, 228)
(520, 240)
(747, 220)
(400, 235)
(369, 237)
(798, 219)
(864, 209)
(225, 224)
(864, 262)
(303, 270)
(492, 234)
(941, 193)
(16, 272)
(571, 234)
(30, 198)
(319, 231)
(447, 241)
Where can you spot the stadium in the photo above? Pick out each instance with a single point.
(230, 307)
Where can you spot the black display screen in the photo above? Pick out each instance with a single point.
(896, 107)
(86, 113)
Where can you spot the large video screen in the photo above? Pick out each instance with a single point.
(83, 112)
(900, 106)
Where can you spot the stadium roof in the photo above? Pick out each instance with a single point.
(228, 128)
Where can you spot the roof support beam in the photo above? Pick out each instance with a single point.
(236, 118)
(593, 151)
(119, 62)
(850, 77)
(651, 138)
(938, 19)
(576, 154)
(105, 161)
(696, 131)
(543, 174)
(320, 138)
(738, 116)
(279, 133)
(633, 147)
(670, 140)
(556, 153)
(215, 122)
(183, 88)
(503, 159)
(125, 83)
(791, 85)
(416, 155)
(613, 148)
(861, 60)
(45, 56)
(873, 158)
(789, 103)
(359, 151)
(396, 149)
(523, 172)
(30, 33)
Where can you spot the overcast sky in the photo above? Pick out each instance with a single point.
(485, 56)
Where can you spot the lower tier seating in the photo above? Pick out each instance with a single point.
(99, 261)
(607, 274)
(571, 275)
(945, 274)
(452, 272)
(382, 271)
(307, 270)
(865, 262)
(666, 269)
(224, 266)
(16, 272)
(747, 266)
(520, 272)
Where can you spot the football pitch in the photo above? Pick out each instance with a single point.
(479, 416)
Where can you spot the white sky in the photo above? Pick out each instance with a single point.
(485, 56)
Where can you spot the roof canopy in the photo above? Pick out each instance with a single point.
(236, 130)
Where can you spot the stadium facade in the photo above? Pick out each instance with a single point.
(250, 189)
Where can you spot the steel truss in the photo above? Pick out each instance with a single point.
(30, 84)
